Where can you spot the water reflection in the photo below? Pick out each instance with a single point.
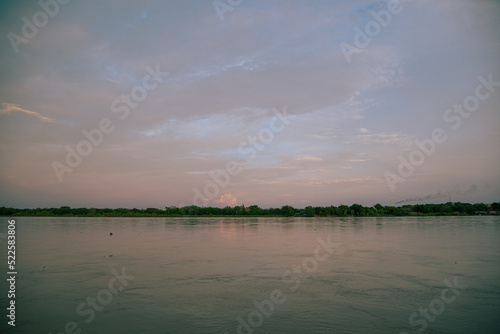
(197, 275)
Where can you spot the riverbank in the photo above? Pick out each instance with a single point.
(355, 210)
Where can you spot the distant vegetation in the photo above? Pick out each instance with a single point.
(357, 210)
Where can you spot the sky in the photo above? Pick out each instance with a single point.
(237, 102)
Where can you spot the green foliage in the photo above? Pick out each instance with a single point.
(309, 211)
(287, 211)
(357, 210)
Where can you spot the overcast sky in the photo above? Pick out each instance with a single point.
(350, 108)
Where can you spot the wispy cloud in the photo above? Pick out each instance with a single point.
(8, 108)
(348, 122)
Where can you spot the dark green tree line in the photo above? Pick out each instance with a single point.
(355, 210)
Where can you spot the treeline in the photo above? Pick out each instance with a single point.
(356, 210)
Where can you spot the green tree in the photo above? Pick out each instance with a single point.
(379, 209)
(64, 210)
(309, 211)
(172, 210)
(254, 210)
(343, 210)
(480, 207)
(357, 210)
(287, 211)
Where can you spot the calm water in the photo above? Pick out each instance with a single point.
(249, 275)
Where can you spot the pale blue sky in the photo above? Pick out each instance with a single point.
(349, 121)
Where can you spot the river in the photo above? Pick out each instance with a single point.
(254, 275)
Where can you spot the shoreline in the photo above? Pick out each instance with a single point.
(354, 210)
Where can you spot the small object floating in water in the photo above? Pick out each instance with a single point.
(43, 269)
(455, 262)
(108, 256)
(110, 233)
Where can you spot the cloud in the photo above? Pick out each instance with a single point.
(307, 158)
(7, 108)
(349, 123)
(227, 200)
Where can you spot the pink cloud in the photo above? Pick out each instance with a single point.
(227, 200)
